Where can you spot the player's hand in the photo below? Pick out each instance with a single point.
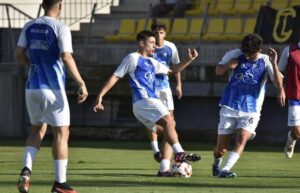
(98, 104)
(82, 93)
(193, 54)
(281, 97)
(272, 55)
(232, 63)
(179, 91)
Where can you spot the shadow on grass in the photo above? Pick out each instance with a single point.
(137, 145)
(144, 183)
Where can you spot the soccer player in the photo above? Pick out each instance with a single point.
(242, 99)
(45, 46)
(167, 54)
(147, 108)
(290, 61)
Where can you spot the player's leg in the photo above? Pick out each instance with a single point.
(32, 147)
(221, 148)
(35, 106)
(241, 139)
(226, 127)
(246, 126)
(165, 164)
(170, 135)
(60, 156)
(294, 133)
(293, 136)
(153, 137)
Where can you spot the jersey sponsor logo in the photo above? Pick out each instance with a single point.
(149, 77)
(34, 30)
(247, 76)
(39, 45)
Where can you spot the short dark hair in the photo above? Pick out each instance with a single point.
(48, 4)
(251, 44)
(144, 35)
(158, 25)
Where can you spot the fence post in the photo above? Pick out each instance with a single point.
(87, 34)
(12, 37)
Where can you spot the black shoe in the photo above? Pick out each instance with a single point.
(216, 170)
(167, 173)
(62, 188)
(24, 180)
(184, 156)
(227, 174)
(157, 156)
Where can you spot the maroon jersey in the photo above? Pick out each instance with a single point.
(293, 73)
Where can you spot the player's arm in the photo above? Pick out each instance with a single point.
(107, 86)
(20, 54)
(221, 69)
(229, 61)
(71, 67)
(179, 85)
(278, 80)
(192, 55)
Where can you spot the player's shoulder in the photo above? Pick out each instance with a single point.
(133, 56)
(263, 56)
(169, 44)
(234, 53)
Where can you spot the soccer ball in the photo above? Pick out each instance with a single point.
(182, 169)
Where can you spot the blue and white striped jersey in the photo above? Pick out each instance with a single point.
(141, 72)
(245, 91)
(167, 55)
(45, 38)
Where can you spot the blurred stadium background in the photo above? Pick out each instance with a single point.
(103, 33)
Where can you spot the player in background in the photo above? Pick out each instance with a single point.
(147, 108)
(48, 43)
(290, 62)
(166, 53)
(242, 99)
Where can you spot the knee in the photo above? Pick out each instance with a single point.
(170, 120)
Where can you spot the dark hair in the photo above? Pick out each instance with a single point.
(144, 35)
(158, 25)
(251, 44)
(48, 4)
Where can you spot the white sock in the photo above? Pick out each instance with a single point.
(164, 165)
(29, 156)
(60, 171)
(217, 162)
(177, 148)
(154, 146)
(231, 160)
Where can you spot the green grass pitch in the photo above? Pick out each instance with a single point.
(128, 167)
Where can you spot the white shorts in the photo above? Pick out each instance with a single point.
(294, 116)
(47, 106)
(231, 120)
(149, 111)
(165, 95)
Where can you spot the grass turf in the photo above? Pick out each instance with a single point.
(128, 167)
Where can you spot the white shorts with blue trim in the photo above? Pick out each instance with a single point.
(231, 120)
(149, 111)
(294, 116)
(165, 95)
(47, 106)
